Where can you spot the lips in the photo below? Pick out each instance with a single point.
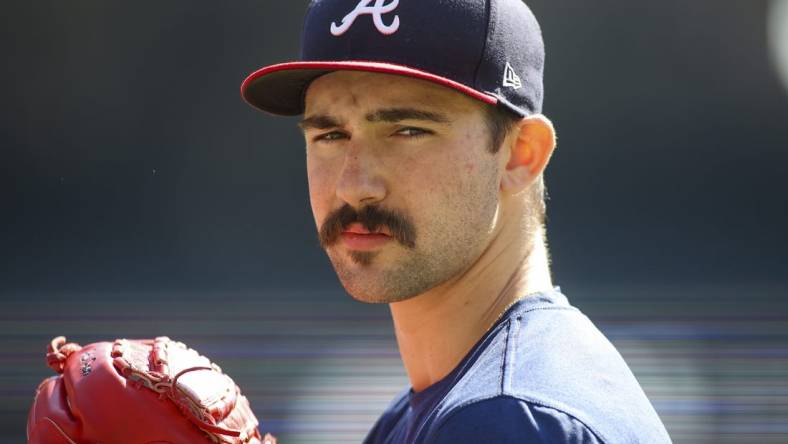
(356, 237)
(353, 227)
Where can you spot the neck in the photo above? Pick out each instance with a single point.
(436, 329)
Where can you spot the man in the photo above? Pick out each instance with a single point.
(425, 153)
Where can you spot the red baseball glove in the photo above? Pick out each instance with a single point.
(138, 392)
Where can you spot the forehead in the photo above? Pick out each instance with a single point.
(363, 91)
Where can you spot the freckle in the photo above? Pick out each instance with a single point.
(469, 167)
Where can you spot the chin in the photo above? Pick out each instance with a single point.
(368, 298)
(371, 290)
(365, 291)
(369, 282)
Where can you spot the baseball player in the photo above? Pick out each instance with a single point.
(425, 148)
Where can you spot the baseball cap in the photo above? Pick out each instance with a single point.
(490, 50)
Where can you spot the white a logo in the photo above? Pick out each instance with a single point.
(510, 78)
(375, 11)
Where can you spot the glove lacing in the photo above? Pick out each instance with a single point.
(58, 351)
(199, 423)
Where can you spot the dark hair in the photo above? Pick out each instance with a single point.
(500, 122)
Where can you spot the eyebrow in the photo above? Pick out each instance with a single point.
(391, 115)
(319, 121)
(399, 114)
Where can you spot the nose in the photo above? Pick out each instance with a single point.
(360, 181)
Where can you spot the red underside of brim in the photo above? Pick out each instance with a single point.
(385, 68)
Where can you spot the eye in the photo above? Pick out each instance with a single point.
(330, 136)
(411, 131)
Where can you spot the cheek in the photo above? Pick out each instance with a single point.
(453, 171)
(451, 181)
(468, 191)
(321, 187)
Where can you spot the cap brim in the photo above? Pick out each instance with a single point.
(280, 89)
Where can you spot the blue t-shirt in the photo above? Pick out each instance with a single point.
(542, 374)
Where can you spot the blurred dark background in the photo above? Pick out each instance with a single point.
(140, 196)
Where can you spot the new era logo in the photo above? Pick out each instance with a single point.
(510, 78)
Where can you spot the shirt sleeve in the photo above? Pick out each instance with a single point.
(508, 420)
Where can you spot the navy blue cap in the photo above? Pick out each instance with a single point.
(491, 50)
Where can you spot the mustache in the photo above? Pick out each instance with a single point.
(371, 217)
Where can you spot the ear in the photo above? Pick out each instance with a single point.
(529, 153)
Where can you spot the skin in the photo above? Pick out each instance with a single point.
(422, 150)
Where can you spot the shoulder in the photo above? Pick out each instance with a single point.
(504, 419)
(551, 363)
(559, 358)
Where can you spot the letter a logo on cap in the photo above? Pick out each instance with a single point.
(510, 78)
(375, 11)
